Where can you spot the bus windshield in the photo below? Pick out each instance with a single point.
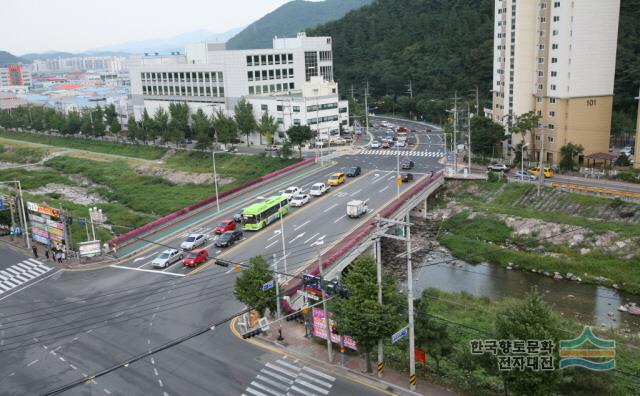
(250, 219)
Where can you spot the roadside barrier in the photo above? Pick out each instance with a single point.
(596, 190)
(156, 223)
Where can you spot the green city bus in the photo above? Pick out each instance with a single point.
(261, 214)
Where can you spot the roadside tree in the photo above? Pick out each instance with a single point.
(525, 124)
(248, 288)
(201, 129)
(244, 118)
(132, 130)
(486, 134)
(179, 119)
(569, 152)
(299, 135)
(431, 334)
(225, 128)
(267, 127)
(160, 125)
(98, 122)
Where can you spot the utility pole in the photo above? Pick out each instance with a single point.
(276, 280)
(541, 176)
(326, 312)
(469, 136)
(477, 102)
(352, 92)
(366, 109)
(379, 279)
(22, 214)
(410, 90)
(455, 126)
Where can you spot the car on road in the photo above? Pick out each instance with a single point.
(228, 238)
(354, 171)
(520, 175)
(498, 168)
(299, 199)
(401, 143)
(193, 241)
(628, 151)
(336, 179)
(166, 258)
(385, 145)
(318, 189)
(548, 172)
(356, 208)
(226, 225)
(195, 257)
(375, 144)
(407, 164)
(272, 147)
(291, 191)
(407, 177)
(237, 218)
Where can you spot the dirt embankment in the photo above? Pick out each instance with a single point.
(423, 240)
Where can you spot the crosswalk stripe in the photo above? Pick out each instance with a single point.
(277, 376)
(2, 277)
(3, 287)
(311, 386)
(33, 273)
(38, 270)
(22, 279)
(302, 391)
(288, 365)
(266, 388)
(14, 272)
(255, 392)
(280, 369)
(35, 261)
(8, 275)
(21, 267)
(11, 283)
(310, 378)
(272, 382)
(319, 373)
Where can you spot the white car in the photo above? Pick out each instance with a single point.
(193, 241)
(290, 192)
(166, 258)
(318, 189)
(401, 143)
(299, 199)
(375, 144)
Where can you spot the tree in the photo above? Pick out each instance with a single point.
(569, 151)
(201, 129)
(529, 319)
(98, 122)
(267, 127)
(526, 123)
(132, 129)
(160, 125)
(148, 127)
(431, 334)
(73, 123)
(361, 316)
(86, 123)
(248, 288)
(179, 114)
(622, 160)
(432, 109)
(244, 118)
(485, 135)
(225, 128)
(286, 151)
(299, 135)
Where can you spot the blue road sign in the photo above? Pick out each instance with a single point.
(399, 335)
(267, 286)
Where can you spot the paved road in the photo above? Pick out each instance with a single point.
(65, 325)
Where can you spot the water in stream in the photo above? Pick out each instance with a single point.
(588, 304)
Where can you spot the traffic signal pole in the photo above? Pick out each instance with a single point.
(326, 312)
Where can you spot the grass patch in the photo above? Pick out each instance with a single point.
(97, 146)
(31, 179)
(241, 167)
(479, 228)
(21, 155)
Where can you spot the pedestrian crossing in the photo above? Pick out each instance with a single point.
(404, 153)
(20, 273)
(286, 377)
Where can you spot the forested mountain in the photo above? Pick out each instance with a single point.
(291, 18)
(7, 58)
(628, 58)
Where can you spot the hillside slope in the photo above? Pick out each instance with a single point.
(7, 58)
(291, 18)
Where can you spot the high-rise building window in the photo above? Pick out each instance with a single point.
(310, 64)
(554, 73)
(552, 100)
(556, 18)
(290, 58)
(553, 87)
(263, 60)
(249, 60)
(556, 4)
(540, 60)
(271, 75)
(264, 107)
(270, 57)
(256, 60)
(277, 59)
(552, 114)
(554, 46)
(251, 90)
(556, 32)
(554, 60)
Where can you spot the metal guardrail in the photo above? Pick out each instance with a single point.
(596, 190)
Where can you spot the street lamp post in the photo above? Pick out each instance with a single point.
(284, 248)
(21, 213)
(215, 178)
(524, 146)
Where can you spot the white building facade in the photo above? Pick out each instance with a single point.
(293, 82)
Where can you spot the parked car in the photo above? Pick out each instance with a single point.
(407, 177)
(356, 208)
(336, 179)
(195, 257)
(318, 189)
(299, 199)
(548, 172)
(226, 225)
(193, 241)
(272, 147)
(407, 164)
(520, 175)
(498, 168)
(166, 258)
(375, 144)
(354, 171)
(228, 238)
(290, 192)
(385, 145)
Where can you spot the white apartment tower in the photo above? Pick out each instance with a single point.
(557, 58)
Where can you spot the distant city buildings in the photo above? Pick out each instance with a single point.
(15, 78)
(112, 64)
(556, 58)
(293, 82)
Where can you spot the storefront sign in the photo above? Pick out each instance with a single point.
(89, 249)
(53, 212)
(320, 330)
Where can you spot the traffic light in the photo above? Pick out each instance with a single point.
(252, 333)
(294, 316)
(222, 263)
(311, 281)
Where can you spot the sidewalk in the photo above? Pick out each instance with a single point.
(295, 343)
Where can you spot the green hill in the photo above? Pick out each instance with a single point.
(7, 58)
(291, 18)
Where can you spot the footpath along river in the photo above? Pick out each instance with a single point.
(588, 304)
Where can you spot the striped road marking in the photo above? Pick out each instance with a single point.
(287, 377)
(21, 273)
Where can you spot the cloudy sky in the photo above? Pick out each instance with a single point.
(78, 25)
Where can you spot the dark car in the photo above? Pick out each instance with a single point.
(237, 218)
(228, 238)
(354, 171)
(407, 164)
(407, 177)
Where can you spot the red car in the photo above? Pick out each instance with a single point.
(224, 226)
(195, 257)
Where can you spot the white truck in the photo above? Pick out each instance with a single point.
(356, 208)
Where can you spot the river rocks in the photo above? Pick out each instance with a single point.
(576, 239)
(615, 286)
(557, 276)
(570, 296)
(584, 251)
(621, 244)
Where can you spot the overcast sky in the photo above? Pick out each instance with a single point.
(79, 25)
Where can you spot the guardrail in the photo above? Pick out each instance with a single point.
(163, 220)
(596, 190)
(358, 236)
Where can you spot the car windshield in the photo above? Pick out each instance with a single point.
(333, 177)
(298, 197)
(289, 190)
(191, 239)
(352, 169)
(316, 187)
(192, 255)
(226, 236)
(223, 224)
(164, 256)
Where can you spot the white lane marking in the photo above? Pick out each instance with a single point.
(339, 218)
(271, 244)
(266, 388)
(301, 225)
(61, 358)
(272, 382)
(330, 207)
(144, 270)
(288, 365)
(317, 381)
(384, 189)
(107, 391)
(160, 383)
(302, 391)
(282, 370)
(315, 235)
(255, 392)
(153, 361)
(32, 363)
(275, 235)
(355, 193)
(319, 241)
(146, 257)
(31, 284)
(73, 367)
(277, 376)
(318, 373)
(297, 237)
(311, 386)
(155, 371)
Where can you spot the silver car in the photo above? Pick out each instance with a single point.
(193, 241)
(166, 258)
